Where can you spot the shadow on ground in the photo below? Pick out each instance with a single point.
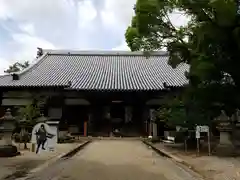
(20, 169)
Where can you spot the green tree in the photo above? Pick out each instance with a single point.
(176, 111)
(209, 43)
(16, 67)
(28, 116)
(172, 112)
(30, 112)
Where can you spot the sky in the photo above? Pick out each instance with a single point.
(62, 24)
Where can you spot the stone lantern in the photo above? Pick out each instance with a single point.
(224, 122)
(225, 146)
(8, 125)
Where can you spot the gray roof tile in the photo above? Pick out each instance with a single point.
(100, 71)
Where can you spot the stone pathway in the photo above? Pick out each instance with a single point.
(211, 167)
(116, 160)
(11, 168)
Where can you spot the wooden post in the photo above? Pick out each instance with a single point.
(85, 128)
(33, 147)
(198, 148)
(209, 143)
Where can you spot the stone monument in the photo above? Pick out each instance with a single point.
(225, 146)
(7, 149)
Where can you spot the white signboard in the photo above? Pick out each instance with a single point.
(51, 140)
(197, 134)
(202, 128)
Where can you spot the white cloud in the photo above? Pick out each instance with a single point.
(122, 47)
(4, 65)
(3, 10)
(117, 14)
(108, 18)
(122, 10)
(53, 20)
(38, 23)
(86, 12)
(28, 28)
(28, 46)
(34, 10)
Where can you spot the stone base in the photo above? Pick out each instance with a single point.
(8, 151)
(225, 150)
(225, 146)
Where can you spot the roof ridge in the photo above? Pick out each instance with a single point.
(28, 68)
(102, 52)
(31, 66)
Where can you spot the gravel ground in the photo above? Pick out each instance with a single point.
(116, 160)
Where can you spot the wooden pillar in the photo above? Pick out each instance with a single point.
(146, 127)
(153, 125)
(85, 128)
(150, 128)
(154, 130)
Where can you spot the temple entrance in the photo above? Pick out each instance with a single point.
(126, 121)
(117, 111)
(117, 116)
(74, 117)
(116, 119)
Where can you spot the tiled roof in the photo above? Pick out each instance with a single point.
(100, 71)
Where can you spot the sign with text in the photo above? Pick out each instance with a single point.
(202, 129)
(205, 129)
